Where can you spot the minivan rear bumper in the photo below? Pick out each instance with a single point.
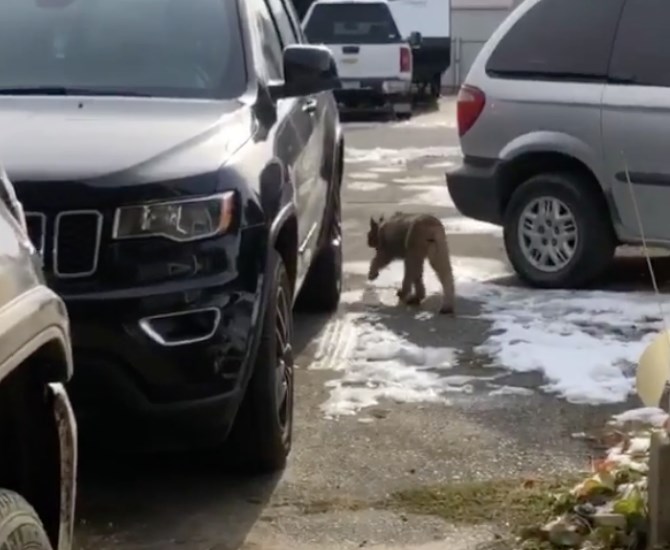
(475, 189)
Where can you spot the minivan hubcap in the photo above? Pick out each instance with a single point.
(548, 234)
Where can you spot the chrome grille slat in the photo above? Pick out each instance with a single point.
(37, 230)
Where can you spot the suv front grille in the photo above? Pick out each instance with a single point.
(74, 239)
(37, 224)
(77, 243)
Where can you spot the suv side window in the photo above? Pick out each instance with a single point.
(283, 21)
(642, 52)
(559, 39)
(271, 43)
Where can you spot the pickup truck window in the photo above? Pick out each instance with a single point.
(167, 48)
(352, 23)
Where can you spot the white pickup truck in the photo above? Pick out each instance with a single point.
(374, 62)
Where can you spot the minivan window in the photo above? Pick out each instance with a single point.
(351, 23)
(168, 48)
(559, 39)
(642, 52)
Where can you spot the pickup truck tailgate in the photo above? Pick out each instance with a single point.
(367, 60)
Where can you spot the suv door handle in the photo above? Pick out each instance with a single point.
(310, 105)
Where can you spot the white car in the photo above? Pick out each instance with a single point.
(373, 61)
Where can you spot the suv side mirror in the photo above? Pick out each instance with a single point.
(415, 39)
(308, 69)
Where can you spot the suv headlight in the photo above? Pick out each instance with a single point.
(181, 221)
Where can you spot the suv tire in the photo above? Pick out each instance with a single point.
(20, 527)
(323, 286)
(262, 434)
(595, 244)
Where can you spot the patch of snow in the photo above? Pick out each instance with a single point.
(398, 156)
(651, 416)
(377, 363)
(387, 169)
(441, 165)
(384, 365)
(510, 390)
(365, 185)
(363, 176)
(470, 226)
(419, 180)
(585, 343)
(430, 195)
(428, 123)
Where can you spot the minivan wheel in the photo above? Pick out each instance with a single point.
(558, 232)
(20, 527)
(263, 432)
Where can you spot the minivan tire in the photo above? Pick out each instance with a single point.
(20, 527)
(261, 438)
(596, 241)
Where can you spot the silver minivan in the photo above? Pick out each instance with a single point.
(566, 101)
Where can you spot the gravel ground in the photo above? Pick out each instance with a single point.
(336, 465)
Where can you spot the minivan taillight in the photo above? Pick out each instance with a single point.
(405, 60)
(469, 105)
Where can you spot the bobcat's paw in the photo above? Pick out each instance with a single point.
(413, 300)
(447, 309)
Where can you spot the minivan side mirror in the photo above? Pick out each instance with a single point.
(415, 39)
(308, 69)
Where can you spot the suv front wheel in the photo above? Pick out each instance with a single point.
(558, 232)
(262, 434)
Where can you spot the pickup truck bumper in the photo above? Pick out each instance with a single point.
(356, 92)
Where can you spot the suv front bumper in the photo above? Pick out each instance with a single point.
(164, 365)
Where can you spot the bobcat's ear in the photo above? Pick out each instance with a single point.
(373, 223)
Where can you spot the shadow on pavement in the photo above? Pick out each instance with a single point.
(165, 501)
(156, 501)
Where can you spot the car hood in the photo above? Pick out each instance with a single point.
(67, 138)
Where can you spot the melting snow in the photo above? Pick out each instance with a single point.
(430, 195)
(365, 185)
(399, 156)
(364, 176)
(585, 343)
(468, 225)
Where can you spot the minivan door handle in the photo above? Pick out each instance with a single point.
(310, 105)
(350, 49)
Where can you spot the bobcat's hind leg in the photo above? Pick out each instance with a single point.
(413, 278)
(441, 264)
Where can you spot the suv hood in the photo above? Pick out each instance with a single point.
(69, 138)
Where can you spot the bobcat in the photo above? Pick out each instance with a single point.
(412, 238)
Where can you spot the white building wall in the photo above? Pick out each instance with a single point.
(472, 23)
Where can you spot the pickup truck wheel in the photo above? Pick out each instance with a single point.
(262, 435)
(323, 286)
(20, 527)
(557, 231)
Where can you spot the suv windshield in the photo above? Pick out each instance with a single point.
(168, 48)
(351, 23)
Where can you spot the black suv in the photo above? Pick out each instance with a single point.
(180, 164)
(38, 431)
